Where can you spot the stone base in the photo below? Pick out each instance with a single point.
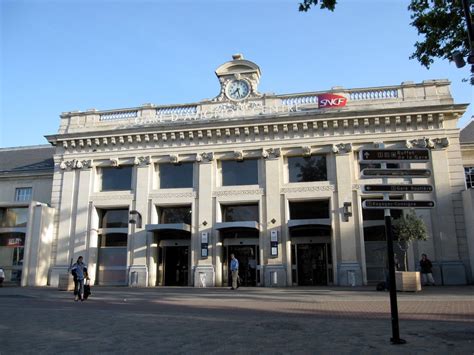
(274, 276)
(453, 272)
(138, 276)
(204, 276)
(66, 282)
(408, 281)
(55, 273)
(349, 274)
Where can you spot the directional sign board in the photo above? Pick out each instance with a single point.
(391, 155)
(396, 204)
(414, 173)
(398, 188)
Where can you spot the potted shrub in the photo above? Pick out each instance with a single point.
(406, 229)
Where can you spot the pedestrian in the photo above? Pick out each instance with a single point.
(234, 269)
(2, 276)
(79, 273)
(426, 273)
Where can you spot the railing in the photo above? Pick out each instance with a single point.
(180, 110)
(118, 115)
(299, 100)
(374, 94)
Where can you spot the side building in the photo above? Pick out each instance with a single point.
(26, 220)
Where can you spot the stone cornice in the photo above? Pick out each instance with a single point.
(199, 130)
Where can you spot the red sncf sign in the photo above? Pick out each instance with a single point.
(331, 100)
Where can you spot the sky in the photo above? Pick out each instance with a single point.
(66, 55)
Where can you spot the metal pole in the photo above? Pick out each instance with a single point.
(395, 339)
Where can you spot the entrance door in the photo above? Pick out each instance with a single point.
(311, 264)
(176, 265)
(247, 255)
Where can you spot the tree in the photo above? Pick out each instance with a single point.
(440, 22)
(408, 228)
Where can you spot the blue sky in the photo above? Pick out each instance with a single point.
(74, 55)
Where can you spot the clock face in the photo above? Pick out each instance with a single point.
(237, 90)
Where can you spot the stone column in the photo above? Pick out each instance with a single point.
(64, 233)
(349, 270)
(205, 273)
(138, 276)
(275, 271)
(82, 217)
(445, 236)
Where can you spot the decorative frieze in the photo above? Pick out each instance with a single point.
(306, 150)
(173, 195)
(238, 155)
(174, 158)
(114, 162)
(426, 142)
(307, 188)
(237, 192)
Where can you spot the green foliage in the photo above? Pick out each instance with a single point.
(406, 229)
(409, 227)
(441, 24)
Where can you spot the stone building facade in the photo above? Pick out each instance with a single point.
(163, 195)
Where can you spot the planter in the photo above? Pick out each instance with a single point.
(408, 281)
(66, 282)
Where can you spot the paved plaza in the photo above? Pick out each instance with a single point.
(246, 321)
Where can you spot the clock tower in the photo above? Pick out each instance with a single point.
(239, 80)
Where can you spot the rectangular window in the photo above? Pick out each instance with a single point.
(178, 214)
(115, 179)
(113, 218)
(13, 217)
(306, 169)
(309, 209)
(23, 194)
(236, 213)
(175, 175)
(243, 172)
(113, 240)
(469, 172)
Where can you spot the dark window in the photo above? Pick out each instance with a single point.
(181, 214)
(304, 169)
(235, 213)
(239, 172)
(309, 209)
(176, 175)
(12, 240)
(113, 240)
(374, 234)
(13, 217)
(119, 178)
(113, 218)
(469, 172)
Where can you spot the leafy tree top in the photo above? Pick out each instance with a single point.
(409, 227)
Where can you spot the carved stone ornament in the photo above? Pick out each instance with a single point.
(271, 153)
(75, 164)
(114, 162)
(174, 159)
(142, 161)
(238, 155)
(205, 157)
(426, 142)
(342, 148)
(306, 150)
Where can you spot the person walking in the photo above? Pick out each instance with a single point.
(79, 273)
(2, 276)
(426, 272)
(234, 269)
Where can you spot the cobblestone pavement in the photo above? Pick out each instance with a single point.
(246, 321)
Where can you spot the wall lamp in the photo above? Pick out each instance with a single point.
(347, 210)
(135, 218)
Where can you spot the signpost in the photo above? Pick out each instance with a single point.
(384, 156)
(415, 173)
(418, 189)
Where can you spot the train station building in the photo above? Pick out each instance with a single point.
(163, 195)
